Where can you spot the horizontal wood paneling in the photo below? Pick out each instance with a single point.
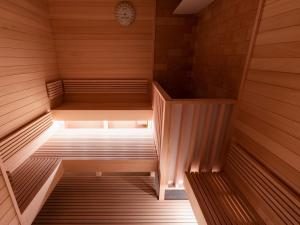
(268, 121)
(111, 200)
(8, 214)
(29, 177)
(272, 199)
(106, 86)
(55, 89)
(27, 60)
(91, 44)
(19, 139)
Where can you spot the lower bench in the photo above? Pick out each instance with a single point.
(216, 201)
(29, 177)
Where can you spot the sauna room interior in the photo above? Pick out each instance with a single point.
(149, 112)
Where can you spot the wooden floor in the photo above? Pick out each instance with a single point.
(111, 200)
(100, 144)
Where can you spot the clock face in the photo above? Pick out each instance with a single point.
(125, 13)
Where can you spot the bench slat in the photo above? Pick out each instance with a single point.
(220, 201)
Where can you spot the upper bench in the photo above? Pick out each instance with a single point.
(100, 99)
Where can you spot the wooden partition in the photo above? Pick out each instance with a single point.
(189, 134)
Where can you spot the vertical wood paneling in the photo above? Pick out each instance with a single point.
(209, 128)
(91, 44)
(189, 134)
(268, 121)
(27, 60)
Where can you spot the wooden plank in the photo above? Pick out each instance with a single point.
(114, 50)
(277, 203)
(29, 177)
(27, 60)
(19, 139)
(107, 199)
(207, 191)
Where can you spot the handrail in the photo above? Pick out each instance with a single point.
(163, 94)
(166, 97)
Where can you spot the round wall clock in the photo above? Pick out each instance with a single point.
(125, 13)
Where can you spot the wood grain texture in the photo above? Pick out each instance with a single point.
(91, 44)
(8, 215)
(27, 61)
(106, 86)
(55, 89)
(219, 200)
(275, 202)
(268, 122)
(100, 144)
(222, 40)
(15, 142)
(111, 200)
(189, 134)
(174, 43)
(29, 177)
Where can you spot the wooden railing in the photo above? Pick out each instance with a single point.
(189, 135)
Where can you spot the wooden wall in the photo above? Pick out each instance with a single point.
(268, 121)
(90, 42)
(174, 43)
(222, 40)
(27, 60)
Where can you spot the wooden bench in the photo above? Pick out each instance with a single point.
(216, 201)
(29, 178)
(13, 147)
(100, 99)
(245, 192)
(274, 201)
(105, 150)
